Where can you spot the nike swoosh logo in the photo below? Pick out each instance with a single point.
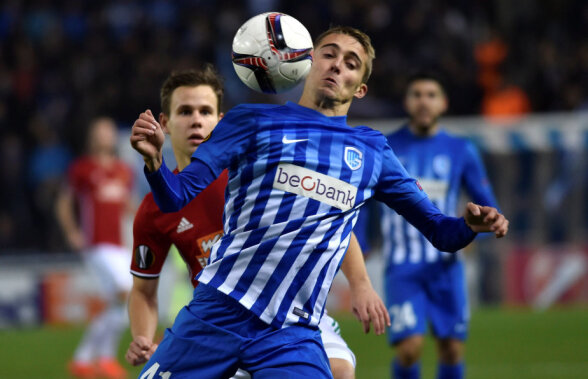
(285, 140)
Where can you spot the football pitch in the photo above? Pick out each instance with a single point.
(504, 343)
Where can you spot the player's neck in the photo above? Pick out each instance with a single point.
(182, 160)
(104, 159)
(182, 163)
(423, 131)
(328, 107)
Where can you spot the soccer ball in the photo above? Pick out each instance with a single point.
(272, 52)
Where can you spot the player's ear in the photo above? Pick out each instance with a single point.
(220, 116)
(445, 104)
(163, 122)
(361, 91)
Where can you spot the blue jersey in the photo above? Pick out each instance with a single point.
(443, 165)
(296, 181)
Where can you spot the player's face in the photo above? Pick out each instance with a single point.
(103, 139)
(193, 115)
(337, 69)
(425, 102)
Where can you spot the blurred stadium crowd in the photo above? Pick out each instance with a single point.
(64, 62)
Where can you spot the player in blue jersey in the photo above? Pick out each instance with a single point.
(424, 285)
(298, 175)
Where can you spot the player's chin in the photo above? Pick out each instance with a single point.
(193, 143)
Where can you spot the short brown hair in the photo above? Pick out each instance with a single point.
(363, 39)
(191, 78)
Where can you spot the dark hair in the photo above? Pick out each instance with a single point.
(425, 75)
(363, 39)
(191, 78)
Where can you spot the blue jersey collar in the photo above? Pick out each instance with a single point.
(339, 120)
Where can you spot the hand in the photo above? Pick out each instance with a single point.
(369, 308)
(140, 350)
(147, 138)
(486, 219)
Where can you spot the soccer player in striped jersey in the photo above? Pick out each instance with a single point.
(190, 103)
(298, 175)
(424, 285)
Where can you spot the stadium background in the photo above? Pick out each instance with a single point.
(517, 78)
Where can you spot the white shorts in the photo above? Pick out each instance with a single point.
(334, 344)
(110, 264)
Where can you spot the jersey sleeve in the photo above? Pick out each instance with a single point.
(403, 194)
(475, 180)
(150, 245)
(228, 142)
(396, 188)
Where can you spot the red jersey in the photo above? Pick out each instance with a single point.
(102, 194)
(193, 229)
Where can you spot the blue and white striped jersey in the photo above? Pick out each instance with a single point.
(444, 165)
(296, 181)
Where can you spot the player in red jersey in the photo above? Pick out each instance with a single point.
(190, 111)
(99, 188)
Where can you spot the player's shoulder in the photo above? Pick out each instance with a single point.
(80, 168)
(458, 141)
(399, 133)
(81, 163)
(369, 133)
(148, 209)
(254, 108)
(249, 113)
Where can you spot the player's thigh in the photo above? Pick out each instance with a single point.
(448, 304)
(335, 345)
(406, 300)
(291, 352)
(193, 348)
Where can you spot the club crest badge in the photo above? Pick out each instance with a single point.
(353, 157)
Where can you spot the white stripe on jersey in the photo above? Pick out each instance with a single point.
(331, 272)
(242, 262)
(306, 290)
(413, 239)
(431, 254)
(400, 250)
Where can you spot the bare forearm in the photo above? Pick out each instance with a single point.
(153, 163)
(65, 213)
(353, 265)
(365, 302)
(142, 314)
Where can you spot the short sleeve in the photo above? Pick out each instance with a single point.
(150, 245)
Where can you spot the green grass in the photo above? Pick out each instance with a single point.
(503, 344)
(513, 343)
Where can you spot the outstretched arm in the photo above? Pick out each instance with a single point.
(367, 305)
(143, 320)
(403, 194)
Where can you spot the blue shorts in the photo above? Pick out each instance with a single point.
(434, 295)
(214, 335)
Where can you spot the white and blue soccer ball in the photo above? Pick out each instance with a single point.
(272, 52)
